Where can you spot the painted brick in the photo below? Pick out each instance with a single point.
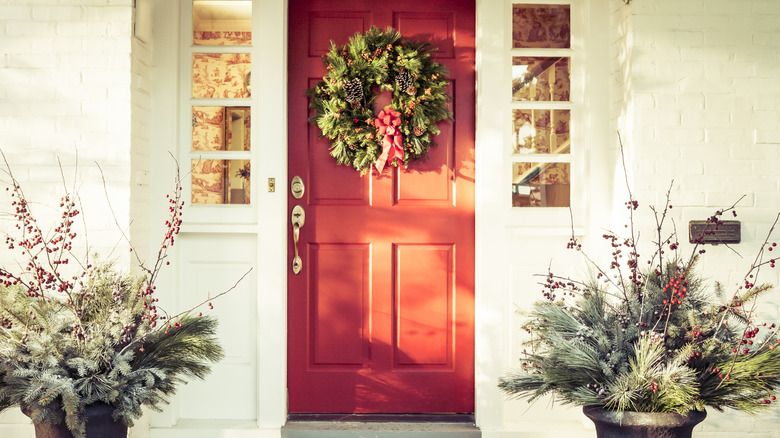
(116, 14)
(79, 29)
(55, 45)
(704, 22)
(47, 61)
(58, 13)
(767, 136)
(80, 124)
(728, 134)
(728, 101)
(766, 119)
(766, 7)
(733, 69)
(724, 38)
(727, 167)
(83, 92)
(679, 166)
(704, 54)
(18, 28)
(701, 119)
(55, 108)
(11, 76)
(15, 12)
(687, 7)
(662, 118)
(756, 86)
(722, 7)
(657, 22)
(679, 136)
(677, 69)
(684, 38)
(765, 167)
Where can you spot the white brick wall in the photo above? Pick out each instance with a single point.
(140, 150)
(706, 105)
(65, 94)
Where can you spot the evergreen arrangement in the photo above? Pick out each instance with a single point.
(651, 340)
(75, 333)
(373, 62)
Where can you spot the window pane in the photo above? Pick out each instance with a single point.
(540, 78)
(220, 181)
(225, 75)
(541, 26)
(222, 22)
(541, 131)
(541, 184)
(217, 128)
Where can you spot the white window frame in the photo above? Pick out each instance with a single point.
(216, 214)
(548, 220)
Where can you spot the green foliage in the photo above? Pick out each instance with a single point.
(650, 341)
(115, 356)
(381, 61)
(73, 334)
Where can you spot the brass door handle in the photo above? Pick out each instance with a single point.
(297, 218)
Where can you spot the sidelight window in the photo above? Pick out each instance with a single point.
(541, 105)
(220, 156)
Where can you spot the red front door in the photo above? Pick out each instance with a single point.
(381, 317)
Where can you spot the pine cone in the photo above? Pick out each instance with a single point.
(418, 131)
(403, 81)
(354, 89)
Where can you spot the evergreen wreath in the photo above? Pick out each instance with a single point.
(373, 62)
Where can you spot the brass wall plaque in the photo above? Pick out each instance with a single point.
(713, 234)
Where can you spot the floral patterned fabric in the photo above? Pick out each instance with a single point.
(217, 75)
(221, 38)
(208, 182)
(541, 26)
(208, 128)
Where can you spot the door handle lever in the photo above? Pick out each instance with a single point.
(297, 219)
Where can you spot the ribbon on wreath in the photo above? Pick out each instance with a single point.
(387, 123)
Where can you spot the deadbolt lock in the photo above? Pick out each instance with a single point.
(296, 187)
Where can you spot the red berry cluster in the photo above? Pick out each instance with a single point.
(550, 286)
(678, 289)
(43, 254)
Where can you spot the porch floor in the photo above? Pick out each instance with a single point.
(396, 427)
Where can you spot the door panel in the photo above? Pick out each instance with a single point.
(381, 318)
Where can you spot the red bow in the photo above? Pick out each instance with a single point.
(387, 123)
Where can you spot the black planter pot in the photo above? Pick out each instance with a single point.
(627, 424)
(99, 424)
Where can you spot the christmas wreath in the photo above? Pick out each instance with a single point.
(373, 62)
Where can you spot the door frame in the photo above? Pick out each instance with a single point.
(491, 303)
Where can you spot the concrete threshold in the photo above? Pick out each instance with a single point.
(374, 428)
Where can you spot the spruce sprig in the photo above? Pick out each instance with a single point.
(651, 340)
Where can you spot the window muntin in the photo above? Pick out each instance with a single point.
(541, 105)
(220, 152)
